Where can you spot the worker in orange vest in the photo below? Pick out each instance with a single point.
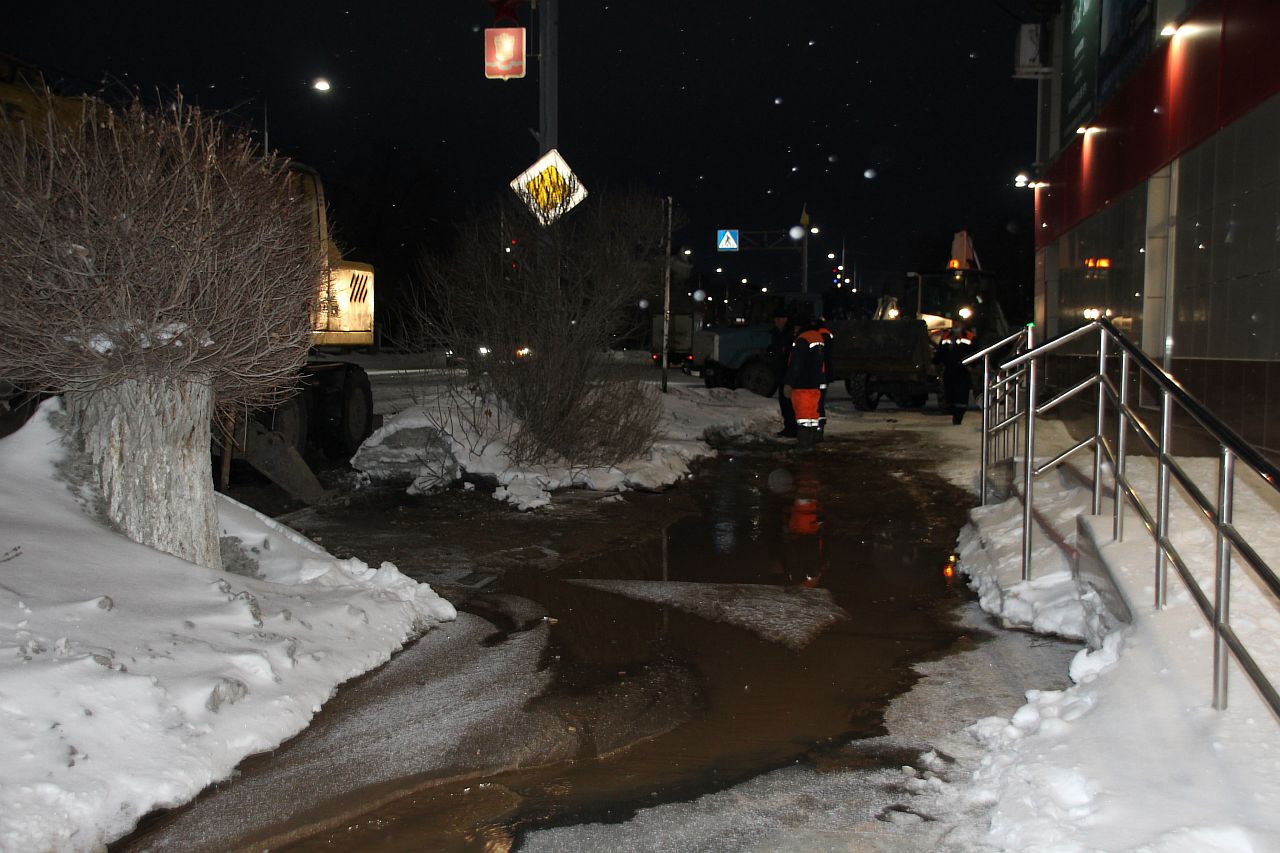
(805, 380)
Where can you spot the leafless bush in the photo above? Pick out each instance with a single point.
(150, 244)
(152, 265)
(528, 310)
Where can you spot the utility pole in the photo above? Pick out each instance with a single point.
(548, 72)
(804, 263)
(666, 300)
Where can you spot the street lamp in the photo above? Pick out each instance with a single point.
(319, 84)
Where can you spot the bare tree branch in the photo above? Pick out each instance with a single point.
(542, 301)
(137, 243)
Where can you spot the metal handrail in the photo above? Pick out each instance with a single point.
(1022, 374)
(996, 397)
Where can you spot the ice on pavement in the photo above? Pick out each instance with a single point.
(789, 615)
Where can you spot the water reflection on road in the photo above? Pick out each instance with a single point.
(779, 619)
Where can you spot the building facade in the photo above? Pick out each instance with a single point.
(1158, 191)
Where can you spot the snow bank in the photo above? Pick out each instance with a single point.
(434, 443)
(1132, 756)
(131, 679)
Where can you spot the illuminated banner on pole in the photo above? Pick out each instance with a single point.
(504, 53)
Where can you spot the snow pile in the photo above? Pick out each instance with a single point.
(1132, 756)
(433, 444)
(131, 679)
(991, 551)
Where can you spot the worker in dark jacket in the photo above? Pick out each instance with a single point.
(955, 346)
(780, 338)
(805, 378)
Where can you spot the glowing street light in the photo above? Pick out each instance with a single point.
(320, 84)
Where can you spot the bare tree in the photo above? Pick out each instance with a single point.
(152, 265)
(529, 309)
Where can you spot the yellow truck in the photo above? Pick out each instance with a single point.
(333, 409)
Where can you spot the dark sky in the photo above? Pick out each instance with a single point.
(743, 112)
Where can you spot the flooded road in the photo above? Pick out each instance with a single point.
(761, 614)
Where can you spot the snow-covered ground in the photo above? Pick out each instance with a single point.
(130, 679)
(445, 433)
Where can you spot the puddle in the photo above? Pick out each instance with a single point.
(769, 627)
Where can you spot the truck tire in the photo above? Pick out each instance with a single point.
(911, 400)
(291, 418)
(758, 378)
(858, 386)
(352, 422)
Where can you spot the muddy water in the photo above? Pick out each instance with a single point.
(669, 658)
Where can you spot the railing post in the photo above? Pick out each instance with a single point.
(1122, 439)
(1028, 484)
(1101, 422)
(1162, 500)
(1222, 577)
(986, 424)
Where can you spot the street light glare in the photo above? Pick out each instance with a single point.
(321, 85)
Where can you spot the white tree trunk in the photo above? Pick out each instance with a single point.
(148, 441)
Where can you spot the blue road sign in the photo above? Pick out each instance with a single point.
(727, 240)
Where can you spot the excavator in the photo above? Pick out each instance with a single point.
(891, 354)
(333, 408)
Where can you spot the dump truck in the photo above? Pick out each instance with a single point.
(333, 409)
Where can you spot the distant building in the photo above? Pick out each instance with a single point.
(1158, 190)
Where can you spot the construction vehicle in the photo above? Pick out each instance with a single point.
(891, 354)
(333, 409)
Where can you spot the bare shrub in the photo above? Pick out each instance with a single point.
(529, 309)
(153, 265)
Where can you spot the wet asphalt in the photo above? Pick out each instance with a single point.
(763, 613)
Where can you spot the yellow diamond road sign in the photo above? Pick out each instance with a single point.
(549, 187)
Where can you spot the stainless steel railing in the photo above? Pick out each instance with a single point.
(1000, 399)
(1016, 382)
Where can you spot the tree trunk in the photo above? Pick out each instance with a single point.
(148, 441)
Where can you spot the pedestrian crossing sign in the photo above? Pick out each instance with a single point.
(727, 240)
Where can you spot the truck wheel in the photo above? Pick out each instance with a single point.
(911, 401)
(757, 377)
(710, 378)
(291, 419)
(354, 419)
(863, 399)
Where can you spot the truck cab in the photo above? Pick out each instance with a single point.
(736, 354)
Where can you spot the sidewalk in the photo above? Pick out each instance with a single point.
(1133, 756)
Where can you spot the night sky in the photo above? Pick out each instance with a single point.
(743, 112)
